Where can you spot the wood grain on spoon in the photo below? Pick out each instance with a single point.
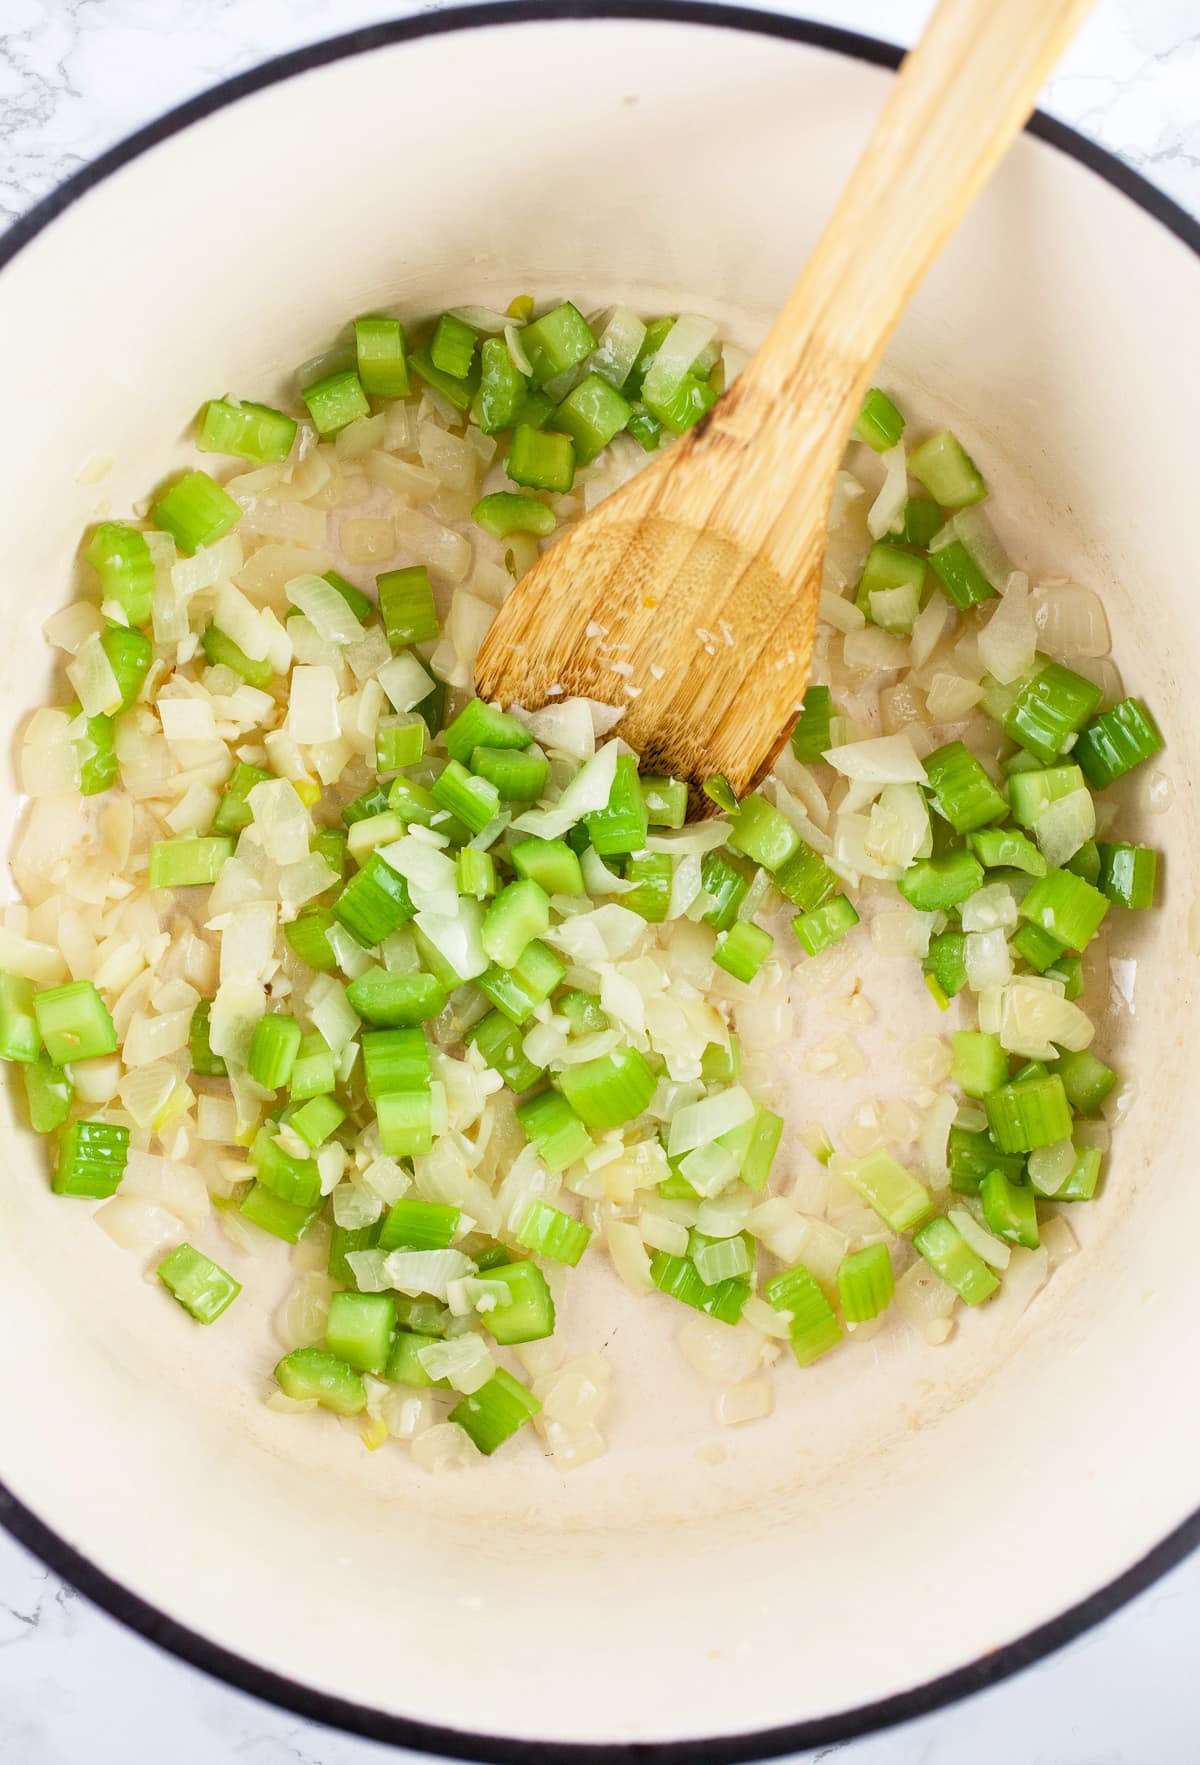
(691, 593)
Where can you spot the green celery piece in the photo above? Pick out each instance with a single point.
(950, 1256)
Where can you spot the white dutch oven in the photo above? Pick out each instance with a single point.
(900, 1532)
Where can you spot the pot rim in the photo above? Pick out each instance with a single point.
(145, 1619)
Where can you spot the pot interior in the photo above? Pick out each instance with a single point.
(907, 1510)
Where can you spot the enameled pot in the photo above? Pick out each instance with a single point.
(891, 1540)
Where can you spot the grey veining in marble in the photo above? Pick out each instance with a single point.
(75, 1687)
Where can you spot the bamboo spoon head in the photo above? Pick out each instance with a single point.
(693, 631)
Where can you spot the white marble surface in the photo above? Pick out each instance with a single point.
(75, 76)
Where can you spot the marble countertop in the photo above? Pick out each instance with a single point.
(77, 75)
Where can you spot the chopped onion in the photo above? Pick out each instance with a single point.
(457, 937)
(1008, 642)
(885, 759)
(325, 609)
(72, 625)
(1035, 1016)
(698, 1124)
(444, 1447)
(899, 830)
(464, 1360)
(137, 1225)
(334, 1018)
(31, 960)
(901, 933)
(405, 681)
(682, 344)
(935, 1138)
(873, 650)
(300, 1320)
(988, 961)
(1071, 622)
(425, 1271)
(887, 511)
(619, 346)
(951, 696)
(313, 705)
(90, 673)
(720, 1352)
(750, 1401)
(177, 1187)
(989, 908)
(985, 1244)
(588, 792)
(1065, 825)
(1050, 1166)
(972, 529)
(925, 1301)
(842, 614)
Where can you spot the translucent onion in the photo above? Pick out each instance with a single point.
(313, 705)
(300, 1319)
(925, 1302)
(405, 681)
(1058, 1240)
(324, 608)
(698, 1124)
(899, 830)
(1071, 622)
(885, 759)
(186, 719)
(887, 511)
(333, 1016)
(361, 436)
(137, 1225)
(248, 941)
(464, 1360)
(872, 650)
(426, 1271)
(901, 933)
(72, 625)
(851, 856)
(443, 550)
(1035, 1016)
(935, 1138)
(1050, 1166)
(281, 820)
(49, 757)
(972, 528)
(1065, 825)
(750, 1401)
(32, 960)
(777, 1225)
(988, 961)
(178, 1187)
(457, 938)
(588, 792)
(989, 908)
(96, 1080)
(565, 728)
(145, 1092)
(619, 346)
(444, 1447)
(951, 696)
(722, 1353)
(842, 614)
(90, 673)
(683, 343)
(993, 1250)
(1008, 642)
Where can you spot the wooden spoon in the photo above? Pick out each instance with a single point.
(691, 593)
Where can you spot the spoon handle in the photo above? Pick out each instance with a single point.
(963, 94)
